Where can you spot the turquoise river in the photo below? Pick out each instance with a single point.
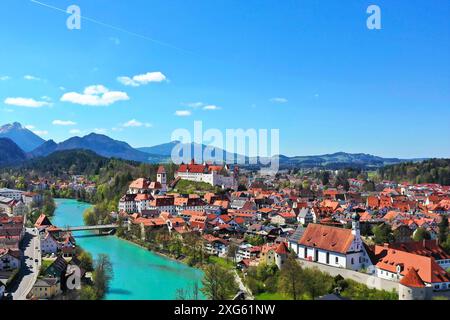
(138, 273)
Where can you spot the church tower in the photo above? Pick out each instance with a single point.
(161, 177)
(355, 224)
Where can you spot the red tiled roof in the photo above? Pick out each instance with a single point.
(161, 170)
(427, 268)
(282, 249)
(412, 279)
(327, 238)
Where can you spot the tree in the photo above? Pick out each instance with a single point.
(102, 275)
(315, 282)
(219, 283)
(88, 293)
(382, 234)
(232, 250)
(86, 261)
(290, 278)
(421, 234)
(443, 229)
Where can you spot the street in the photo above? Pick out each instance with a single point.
(30, 265)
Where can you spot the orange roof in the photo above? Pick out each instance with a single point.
(327, 238)
(427, 268)
(140, 183)
(412, 279)
(282, 249)
(42, 221)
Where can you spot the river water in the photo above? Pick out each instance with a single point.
(138, 273)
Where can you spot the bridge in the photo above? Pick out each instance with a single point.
(101, 229)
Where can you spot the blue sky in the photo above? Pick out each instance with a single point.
(309, 68)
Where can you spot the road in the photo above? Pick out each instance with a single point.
(29, 269)
(243, 288)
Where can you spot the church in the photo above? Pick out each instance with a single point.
(333, 246)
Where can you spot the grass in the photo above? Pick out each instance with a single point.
(186, 186)
(227, 264)
(272, 296)
(45, 264)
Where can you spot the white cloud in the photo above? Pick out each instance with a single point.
(279, 100)
(211, 107)
(135, 123)
(30, 77)
(75, 131)
(4, 78)
(62, 88)
(142, 79)
(194, 105)
(29, 127)
(26, 102)
(63, 123)
(183, 113)
(96, 95)
(40, 132)
(100, 130)
(46, 98)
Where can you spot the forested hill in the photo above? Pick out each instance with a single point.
(429, 171)
(112, 176)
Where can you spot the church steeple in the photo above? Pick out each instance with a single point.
(355, 224)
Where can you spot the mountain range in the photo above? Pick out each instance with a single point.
(23, 137)
(17, 138)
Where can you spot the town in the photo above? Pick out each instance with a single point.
(387, 236)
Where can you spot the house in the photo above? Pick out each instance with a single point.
(215, 246)
(274, 254)
(394, 264)
(247, 251)
(46, 288)
(306, 216)
(127, 203)
(9, 259)
(283, 218)
(42, 222)
(333, 246)
(49, 244)
(429, 248)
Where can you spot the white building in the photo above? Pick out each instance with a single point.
(49, 244)
(333, 246)
(214, 175)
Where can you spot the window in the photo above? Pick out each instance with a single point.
(337, 260)
(353, 261)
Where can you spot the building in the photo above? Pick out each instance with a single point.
(127, 203)
(412, 287)
(306, 216)
(274, 254)
(46, 288)
(214, 175)
(333, 246)
(161, 178)
(9, 259)
(215, 246)
(394, 264)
